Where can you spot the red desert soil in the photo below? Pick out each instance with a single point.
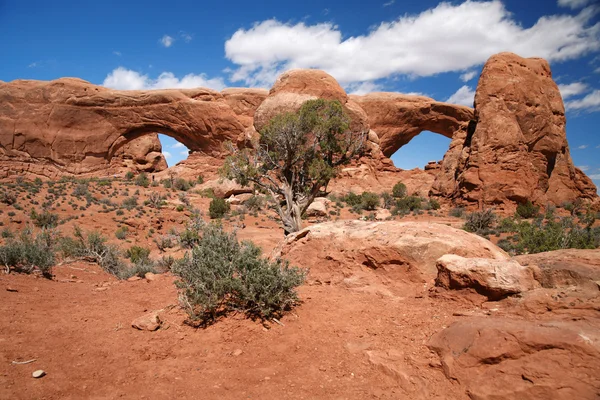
(340, 343)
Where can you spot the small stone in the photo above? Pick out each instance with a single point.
(133, 279)
(100, 289)
(10, 289)
(148, 322)
(38, 374)
(150, 276)
(237, 352)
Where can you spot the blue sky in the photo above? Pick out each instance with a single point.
(426, 47)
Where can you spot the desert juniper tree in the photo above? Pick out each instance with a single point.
(296, 157)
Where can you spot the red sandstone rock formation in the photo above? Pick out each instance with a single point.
(517, 150)
(70, 126)
(398, 118)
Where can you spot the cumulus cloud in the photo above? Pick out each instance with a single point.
(464, 96)
(185, 36)
(389, 3)
(594, 177)
(363, 88)
(584, 167)
(573, 3)
(178, 145)
(589, 103)
(167, 154)
(572, 89)
(467, 76)
(167, 41)
(582, 147)
(446, 38)
(185, 153)
(126, 79)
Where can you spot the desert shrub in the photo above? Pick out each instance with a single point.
(167, 184)
(8, 198)
(181, 184)
(457, 212)
(45, 219)
(218, 208)
(200, 180)
(80, 190)
(164, 242)
(93, 246)
(369, 201)
(255, 203)
(7, 234)
(387, 200)
(140, 269)
(208, 193)
(138, 254)
(142, 180)
(130, 203)
(527, 210)
(399, 190)
(180, 207)
(220, 274)
(121, 233)
(165, 263)
(507, 225)
(434, 204)
(156, 200)
(408, 203)
(480, 221)
(352, 199)
(28, 253)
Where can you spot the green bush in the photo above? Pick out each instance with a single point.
(8, 198)
(399, 190)
(138, 254)
(220, 275)
(121, 233)
(457, 212)
(434, 204)
(94, 247)
(255, 203)
(388, 200)
(130, 203)
(28, 253)
(81, 190)
(218, 208)
(129, 175)
(527, 210)
(407, 204)
(181, 184)
(44, 220)
(480, 221)
(142, 180)
(369, 201)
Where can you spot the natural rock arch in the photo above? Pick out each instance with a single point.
(398, 118)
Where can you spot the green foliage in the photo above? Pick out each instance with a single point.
(457, 212)
(480, 221)
(218, 208)
(156, 200)
(434, 204)
(81, 190)
(129, 175)
(255, 203)
(28, 253)
(406, 204)
(369, 201)
(121, 233)
(180, 207)
(94, 247)
(181, 184)
(528, 210)
(388, 200)
(298, 154)
(221, 274)
(352, 199)
(138, 254)
(8, 197)
(45, 219)
(142, 180)
(164, 242)
(399, 190)
(130, 203)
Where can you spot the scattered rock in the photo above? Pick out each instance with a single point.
(382, 214)
(134, 278)
(492, 278)
(38, 374)
(318, 208)
(149, 276)
(237, 352)
(148, 322)
(10, 289)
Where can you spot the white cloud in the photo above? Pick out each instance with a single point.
(589, 103)
(572, 89)
(467, 76)
(582, 147)
(573, 3)
(167, 41)
(185, 153)
(117, 53)
(178, 145)
(185, 36)
(583, 167)
(389, 3)
(464, 96)
(594, 177)
(126, 79)
(443, 39)
(167, 154)
(363, 88)
(33, 65)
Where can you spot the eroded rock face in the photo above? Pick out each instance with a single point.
(398, 118)
(402, 251)
(70, 126)
(517, 150)
(505, 358)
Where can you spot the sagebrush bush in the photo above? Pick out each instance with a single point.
(138, 254)
(156, 200)
(28, 253)
(181, 184)
(457, 212)
(399, 190)
(527, 210)
(45, 219)
(94, 247)
(130, 203)
(121, 233)
(220, 274)
(388, 200)
(369, 201)
(434, 204)
(142, 180)
(480, 221)
(218, 208)
(407, 204)
(8, 198)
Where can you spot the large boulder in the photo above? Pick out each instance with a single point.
(397, 118)
(70, 126)
(516, 149)
(492, 278)
(401, 251)
(502, 358)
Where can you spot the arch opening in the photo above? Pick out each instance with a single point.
(173, 150)
(422, 149)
